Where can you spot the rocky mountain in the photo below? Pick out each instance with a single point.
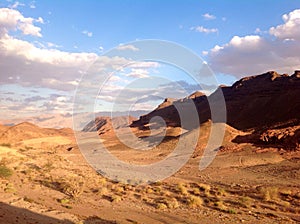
(105, 124)
(263, 100)
(252, 102)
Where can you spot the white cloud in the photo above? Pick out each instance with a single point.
(26, 64)
(202, 29)
(30, 65)
(127, 47)
(257, 31)
(87, 33)
(251, 42)
(128, 95)
(208, 16)
(11, 19)
(144, 64)
(138, 73)
(143, 106)
(290, 28)
(32, 5)
(16, 5)
(20, 48)
(52, 45)
(205, 52)
(255, 54)
(40, 20)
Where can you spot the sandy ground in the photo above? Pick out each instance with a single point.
(52, 183)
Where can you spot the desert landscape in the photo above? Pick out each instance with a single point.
(149, 112)
(253, 179)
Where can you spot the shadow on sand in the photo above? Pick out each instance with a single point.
(11, 215)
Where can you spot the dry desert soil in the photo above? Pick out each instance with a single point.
(45, 179)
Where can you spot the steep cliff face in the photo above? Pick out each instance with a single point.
(252, 102)
(263, 100)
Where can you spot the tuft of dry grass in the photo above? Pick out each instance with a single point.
(171, 203)
(161, 206)
(196, 191)
(5, 172)
(220, 205)
(221, 191)
(101, 181)
(166, 202)
(9, 188)
(116, 198)
(118, 189)
(182, 189)
(72, 187)
(245, 201)
(27, 199)
(64, 201)
(102, 191)
(194, 201)
(157, 189)
(205, 188)
(149, 190)
(48, 166)
(269, 193)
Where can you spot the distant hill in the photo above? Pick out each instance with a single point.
(105, 124)
(44, 120)
(26, 130)
(63, 120)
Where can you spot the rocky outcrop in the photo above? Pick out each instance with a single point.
(105, 124)
(167, 102)
(169, 111)
(195, 95)
(286, 137)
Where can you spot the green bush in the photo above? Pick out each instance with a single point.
(5, 172)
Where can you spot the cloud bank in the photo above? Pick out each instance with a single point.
(255, 54)
(24, 63)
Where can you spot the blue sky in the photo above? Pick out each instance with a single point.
(47, 45)
(115, 22)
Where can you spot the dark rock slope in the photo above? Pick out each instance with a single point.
(252, 102)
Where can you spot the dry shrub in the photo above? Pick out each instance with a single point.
(182, 189)
(5, 172)
(171, 203)
(269, 193)
(161, 206)
(116, 198)
(205, 187)
(220, 206)
(194, 201)
(72, 186)
(245, 201)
